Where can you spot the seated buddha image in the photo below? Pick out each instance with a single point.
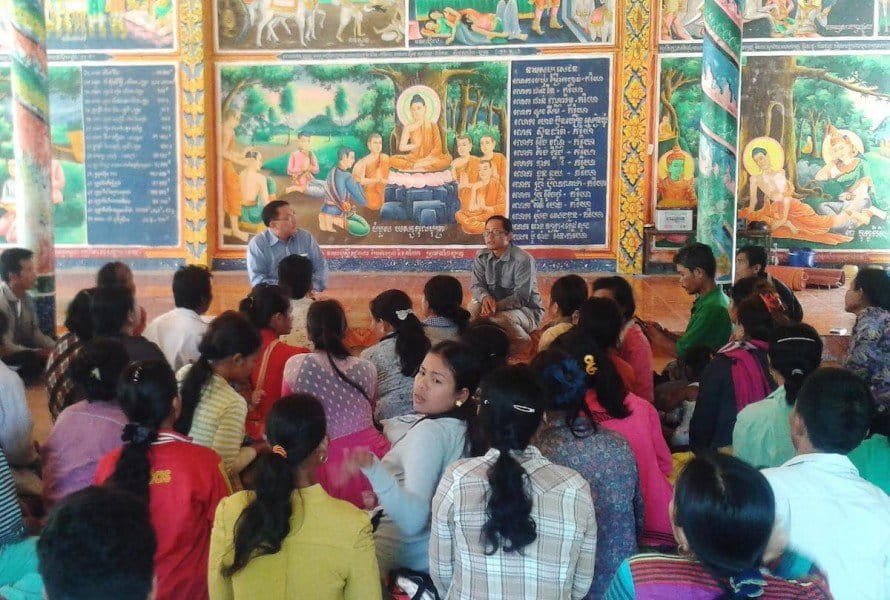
(421, 141)
(676, 180)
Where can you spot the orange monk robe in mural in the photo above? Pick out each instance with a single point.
(498, 161)
(422, 142)
(372, 172)
(465, 170)
(488, 198)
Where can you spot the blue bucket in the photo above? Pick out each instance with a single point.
(802, 257)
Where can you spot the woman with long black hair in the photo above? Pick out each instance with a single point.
(347, 388)
(213, 412)
(512, 512)
(444, 429)
(288, 538)
(397, 355)
(445, 317)
(180, 482)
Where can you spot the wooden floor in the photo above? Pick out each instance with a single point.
(659, 298)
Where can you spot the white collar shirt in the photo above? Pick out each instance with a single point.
(178, 333)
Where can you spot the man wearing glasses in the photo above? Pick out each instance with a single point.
(504, 283)
(283, 238)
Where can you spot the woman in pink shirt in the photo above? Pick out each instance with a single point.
(612, 407)
(633, 345)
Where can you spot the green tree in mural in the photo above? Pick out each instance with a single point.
(681, 99)
(341, 104)
(235, 80)
(288, 104)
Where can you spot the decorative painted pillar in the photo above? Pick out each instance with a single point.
(720, 80)
(32, 148)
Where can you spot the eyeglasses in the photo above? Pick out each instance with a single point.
(496, 233)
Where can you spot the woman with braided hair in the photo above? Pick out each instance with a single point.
(180, 482)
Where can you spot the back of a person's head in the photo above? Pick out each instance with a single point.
(264, 302)
(490, 342)
(696, 359)
(568, 292)
(295, 427)
(11, 261)
(564, 383)
(111, 309)
(600, 319)
(98, 545)
(78, 317)
(112, 274)
(726, 510)
(326, 325)
(97, 368)
(295, 275)
(875, 285)
(395, 308)
(836, 408)
(758, 308)
(510, 414)
(749, 286)
(619, 290)
(192, 288)
(697, 256)
(756, 257)
(146, 394)
(229, 335)
(795, 351)
(444, 296)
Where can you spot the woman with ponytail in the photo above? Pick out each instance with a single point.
(739, 373)
(288, 538)
(397, 355)
(512, 512)
(571, 437)
(445, 318)
(180, 482)
(442, 429)
(213, 412)
(723, 515)
(269, 310)
(612, 407)
(762, 435)
(346, 386)
(87, 430)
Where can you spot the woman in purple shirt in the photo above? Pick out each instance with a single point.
(87, 430)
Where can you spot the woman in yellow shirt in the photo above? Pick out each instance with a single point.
(312, 546)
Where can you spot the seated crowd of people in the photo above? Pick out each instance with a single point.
(498, 449)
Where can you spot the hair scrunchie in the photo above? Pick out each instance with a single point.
(747, 584)
(138, 434)
(570, 376)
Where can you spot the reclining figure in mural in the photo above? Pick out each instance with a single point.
(470, 27)
(786, 215)
(846, 177)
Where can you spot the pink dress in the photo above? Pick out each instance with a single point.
(642, 429)
(635, 349)
(349, 416)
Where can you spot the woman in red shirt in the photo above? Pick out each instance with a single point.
(183, 482)
(269, 310)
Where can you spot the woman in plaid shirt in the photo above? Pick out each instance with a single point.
(511, 524)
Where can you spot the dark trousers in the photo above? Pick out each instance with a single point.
(28, 364)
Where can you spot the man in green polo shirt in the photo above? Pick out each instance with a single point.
(709, 324)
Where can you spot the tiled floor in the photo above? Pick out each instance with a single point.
(658, 297)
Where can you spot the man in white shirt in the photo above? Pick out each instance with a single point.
(832, 515)
(179, 331)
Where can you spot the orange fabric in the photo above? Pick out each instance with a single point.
(427, 145)
(495, 203)
(676, 194)
(231, 189)
(498, 165)
(374, 191)
(794, 277)
(272, 359)
(470, 170)
(810, 226)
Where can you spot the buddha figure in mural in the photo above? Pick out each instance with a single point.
(676, 180)
(421, 140)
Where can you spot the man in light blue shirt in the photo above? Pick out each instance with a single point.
(283, 238)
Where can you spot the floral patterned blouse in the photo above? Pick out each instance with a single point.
(869, 354)
(606, 461)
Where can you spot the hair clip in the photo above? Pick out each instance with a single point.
(772, 301)
(522, 408)
(795, 339)
(797, 372)
(137, 374)
(96, 374)
(280, 451)
(401, 315)
(590, 365)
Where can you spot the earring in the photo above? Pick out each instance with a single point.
(323, 458)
